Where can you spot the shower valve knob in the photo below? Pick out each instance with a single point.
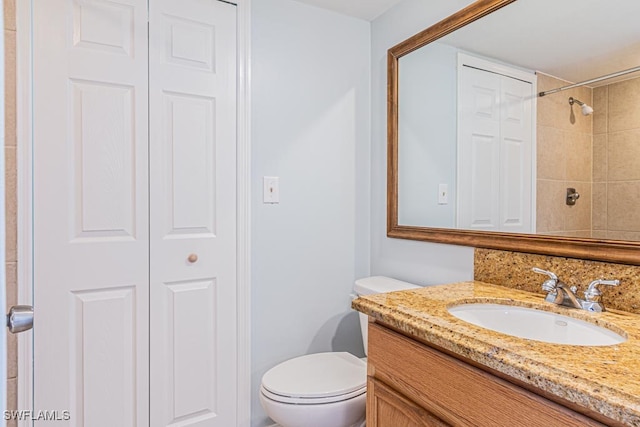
(572, 196)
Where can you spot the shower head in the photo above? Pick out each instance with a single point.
(586, 110)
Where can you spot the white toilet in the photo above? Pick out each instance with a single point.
(324, 389)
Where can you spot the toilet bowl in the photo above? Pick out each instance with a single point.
(323, 389)
(316, 390)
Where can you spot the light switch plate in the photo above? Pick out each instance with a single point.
(271, 192)
(443, 194)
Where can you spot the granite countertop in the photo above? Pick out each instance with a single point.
(604, 379)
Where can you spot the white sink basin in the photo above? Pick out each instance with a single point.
(536, 325)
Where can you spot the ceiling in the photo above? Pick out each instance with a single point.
(363, 9)
(575, 40)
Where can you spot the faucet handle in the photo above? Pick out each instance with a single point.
(593, 293)
(549, 285)
(551, 275)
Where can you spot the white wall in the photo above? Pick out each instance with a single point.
(417, 262)
(310, 127)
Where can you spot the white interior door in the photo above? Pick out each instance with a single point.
(193, 204)
(495, 179)
(516, 174)
(90, 211)
(134, 201)
(479, 150)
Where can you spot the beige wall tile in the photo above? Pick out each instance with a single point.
(616, 158)
(548, 111)
(546, 82)
(623, 153)
(11, 204)
(600, 109)
(10, 88)
(599, 206)
(550, 153)
(585, 234)
(12, 283)
(567, 117)
(624, 108)
(12, 299)
(577, 233)
(12, 399)
(550, 200)
(623, 205)
(599, 158)
(11, 200)
(10, 14)
(599, 234)
(12, 356)
(577, 155)
(551, 233)
(578, 216)
(624, 235)
(552, 109)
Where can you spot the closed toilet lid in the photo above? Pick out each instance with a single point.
(317, 375)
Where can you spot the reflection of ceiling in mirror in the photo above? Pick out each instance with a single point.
(363, 9)
(575, 40)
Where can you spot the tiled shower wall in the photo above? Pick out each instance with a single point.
(564, 158)
(11, 192)
(616, 167)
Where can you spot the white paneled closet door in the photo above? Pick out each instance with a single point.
(193, 222)
(495, 152)
(134, 200)
(91, 216)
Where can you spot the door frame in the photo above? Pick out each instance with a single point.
(243, 208)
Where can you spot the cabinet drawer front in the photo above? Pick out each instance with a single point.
(456, 392)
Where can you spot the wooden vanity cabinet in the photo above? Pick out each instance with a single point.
(411, 384)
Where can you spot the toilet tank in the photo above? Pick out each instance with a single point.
(376, 285)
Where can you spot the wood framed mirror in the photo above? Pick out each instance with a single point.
(598, 246)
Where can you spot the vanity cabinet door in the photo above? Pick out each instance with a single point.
(387, 408)
(404, 371)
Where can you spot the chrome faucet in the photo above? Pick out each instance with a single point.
(592, 294)
(559, 293)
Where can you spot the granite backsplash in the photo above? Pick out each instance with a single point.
(513, 270)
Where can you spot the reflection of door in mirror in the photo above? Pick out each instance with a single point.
(495, 183)
(484, 182)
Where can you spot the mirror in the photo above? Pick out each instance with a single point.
(566, 180)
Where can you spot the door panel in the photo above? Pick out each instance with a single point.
(495, 152)
(101, 349)
(479, 150)
(517, 147)
(103, 160)
(90, 149)
(190, 208)
(193, 229)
